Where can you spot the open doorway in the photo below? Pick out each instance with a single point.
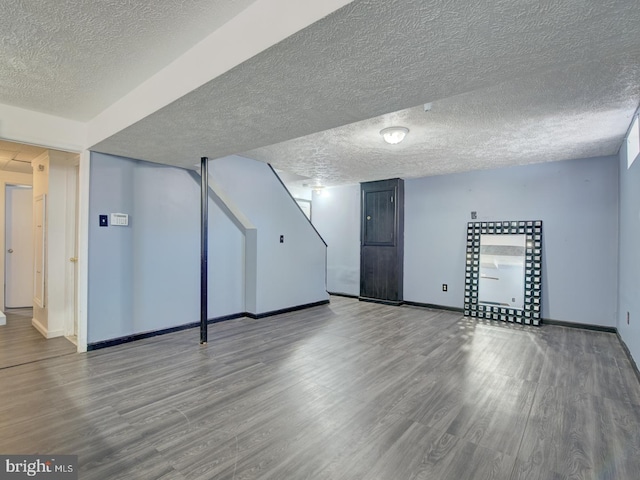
(25, 335)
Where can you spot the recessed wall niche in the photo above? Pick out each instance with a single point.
(504, 259)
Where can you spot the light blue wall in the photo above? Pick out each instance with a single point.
(336, 215)
(629, 270)
(146, 276)
(287, 274)
(577, 200)
(110, 283)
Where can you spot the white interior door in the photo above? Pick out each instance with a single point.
(19, 247)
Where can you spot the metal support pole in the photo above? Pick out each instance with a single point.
(204, 245)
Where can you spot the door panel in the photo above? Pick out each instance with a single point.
(379, 276)
(18, 247)
(379, 220)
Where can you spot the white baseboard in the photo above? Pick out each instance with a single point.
(3, 319)
(46, 333)
(38, 326)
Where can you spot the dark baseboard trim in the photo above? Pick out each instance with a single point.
(583, 326)
(434, 306)
(256, 316)
(224, 318)
(627, 352)
(346, 295)
(140, 336)
(383, 302)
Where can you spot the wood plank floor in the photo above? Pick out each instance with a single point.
(21, 343)
(349, 390)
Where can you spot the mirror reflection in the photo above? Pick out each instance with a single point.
(502, 261)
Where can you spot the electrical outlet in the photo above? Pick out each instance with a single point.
(445, 287)
(281, 238)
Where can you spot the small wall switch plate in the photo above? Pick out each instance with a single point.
(445, 287)
(119, 219)
(281, 238)
(104, 222)
(474, 215)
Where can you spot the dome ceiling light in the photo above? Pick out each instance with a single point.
(394, 135)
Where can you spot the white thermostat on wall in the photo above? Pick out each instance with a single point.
(119, 219)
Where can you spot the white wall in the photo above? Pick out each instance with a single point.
(58, 182)
(60, 241)
(303, 193)
(40, 167)
(576, 200)
(288, 274)
(35, 128)
(336, 215)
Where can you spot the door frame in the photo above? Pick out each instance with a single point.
(71, 273)
(82, 247)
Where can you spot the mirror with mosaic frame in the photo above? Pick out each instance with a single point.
(503, 272)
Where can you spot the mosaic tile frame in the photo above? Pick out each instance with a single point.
(531, 314)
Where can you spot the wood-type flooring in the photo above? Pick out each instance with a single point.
(21, 343)
(350, 390)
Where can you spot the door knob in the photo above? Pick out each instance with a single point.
(73, 259)
(368, 217)
(10, 250)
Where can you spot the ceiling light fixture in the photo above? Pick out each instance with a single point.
(394, 135)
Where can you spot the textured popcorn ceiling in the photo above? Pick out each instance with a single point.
(511, 83)
(577, 112)
(73, 58)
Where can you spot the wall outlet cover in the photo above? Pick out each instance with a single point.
(104, 220)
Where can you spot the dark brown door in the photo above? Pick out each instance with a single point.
(381, 252)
